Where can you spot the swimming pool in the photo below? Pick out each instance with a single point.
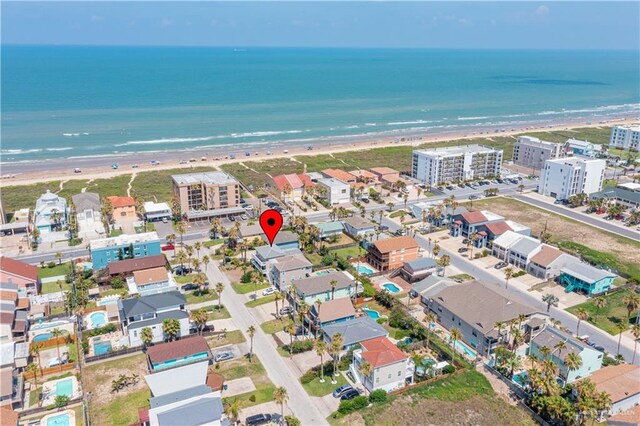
(391, 287)
(462, 348)
(42, 337)
(322, 273)
(43, 325)
(59, 420)
(64, 387)
(372, 313)
(98, 319)
(185, 360)
(521, 379)
(364, 270)
(101, 348)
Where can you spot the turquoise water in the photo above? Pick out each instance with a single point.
(521, 378)
(373, 314)
(175, 362)
(102, 348)
(59, 420)
(462, 348)
(364, 270)
(391, 287)
(323, 272)
(64, 387)
(83, 102)
(98, 319)
(42, 337)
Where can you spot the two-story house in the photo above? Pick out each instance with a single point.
(151, 281)
(392, 253)
(391, 369)
(23, 275)
(353, 331)
(584, 278)
(265, 254)
(358, 227)
(320, 287)
(331, 312)
(282, 271)
(149, 311)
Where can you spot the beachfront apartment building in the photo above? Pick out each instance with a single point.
(625, 137)
(392, 253)
(456, 164)
(107, 250)
(51, 213)
(20, 274)
(208, 194)
(334, 190)
(564, 177)
(391, 368)
(532, 152)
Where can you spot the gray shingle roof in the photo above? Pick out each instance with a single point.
(86, 201)
(356, 330)
(615, 192)
(420, 264)
(146, 304)
(431, 285)
(320, 283)
(550, 336)
(292, 263)
(525, 246)
(177, 396)
(586, 273)
(358, 222)
(200, 412)
(158, 319)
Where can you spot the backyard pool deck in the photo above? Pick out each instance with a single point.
(68, 386)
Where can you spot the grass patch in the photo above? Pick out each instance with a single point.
(123, 410)
(399, 213)
(57, 270)
(233, 337)
(244, 288)
(273, 326)
(601, 259)
(241, 367)
(73, 352)
(211, 243)
(193, 298)
(315, 388)
(314, 258)
(184, 279)
(213, 313)
(462, 277)
(52, 287)
(261, 301)
(348, 252)
(396, 333)
(614, 313)
(115, 232)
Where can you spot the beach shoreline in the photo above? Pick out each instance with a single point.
(14, 174)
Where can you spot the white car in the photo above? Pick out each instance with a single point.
(268, 291)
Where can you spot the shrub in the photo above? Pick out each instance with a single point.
(342, 264)
(292, 421)
(327, 260)
(378, 396)
(449, 369)
(117, 283)
(345, 361)
(299, 346)
(385, 299)
(355, 404)
(246, 277)
(381, 320)
(51, 265)
(252, 398)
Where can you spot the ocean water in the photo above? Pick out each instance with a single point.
(87, 102)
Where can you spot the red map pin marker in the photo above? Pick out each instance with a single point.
(271, 222)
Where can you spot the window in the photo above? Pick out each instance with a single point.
(399, 373)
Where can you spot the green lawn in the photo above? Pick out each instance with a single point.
(275, 325)
(600, 258)
(123, 410)
(244, 288)
(215, 314)
(348, 252)
(314, 258)
(241, 367)
(261, 301)
(398, 213)
(315, 388)
(185, 279)
(115, 232)
(57, 270)
(53, 287)
(396, 333)
(611, 315)
(192, 298)
(462, 277)
(233, 337)
(211, 243)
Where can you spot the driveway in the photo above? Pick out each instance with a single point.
(164, 229)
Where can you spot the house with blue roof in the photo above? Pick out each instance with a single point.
(329, 229)
(584, 278)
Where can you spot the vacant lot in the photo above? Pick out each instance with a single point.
(608, 318)
(598, 246)
(241, 367)
(464, 399)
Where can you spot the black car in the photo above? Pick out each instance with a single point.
(182, 270)
(190, 286)
(232, 218)
(350, 394)
(473, 197)
(383, 228)
(462, 249)
(258, 419)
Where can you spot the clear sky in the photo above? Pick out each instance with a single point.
(539, 25)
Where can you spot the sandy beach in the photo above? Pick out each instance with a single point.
(100, 168)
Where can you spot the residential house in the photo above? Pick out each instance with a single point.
(149, 311)
(622, 383)
(468, 223)
(547, 263)
(107, 250)
(13, 321)
(619, 195)
(477, 320)
(248, 232)
(208, 194)
(584, 278)
(354, 331)
(13, 359)
(264, 254)
(155, 212)
(177, 353)
(386, 174)
(87, 207)
(285, 240)
(329, 229)
(429, 286)
(319, 287)
(392, 253)
(128, 266)
(358, 227)
(340, 175)
(625, 418)
(432, 214)
(334, 191)
(331, 312)
(391, 368)
(549, 337)
(282, 271)
(292, 186)
(516, 249)
(418, 269)
(50, 214)
(21, 274)
(365, 176)
(582, 148)
(151, 281)
(122, 207)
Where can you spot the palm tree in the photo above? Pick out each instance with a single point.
(365, 369)
(303, 310)
(251, 331)
(181, 257)
(58, 257)
(277, 297)
(321, 348)
(512, 363)
(335, 348)
(632, 302)
(181, 227)
(205, 261)
(550, 299)
(560, 346)
(544, 351)
(621, 328)
(35, 352)
(333, 284)
(317, 321)
(599, 302)
(532, 358)
(171, 328)
(429, 318)
(32, 368)
(219, 288)
(199, 318)
(444, 261)
(55, 333)
(436, 249)
(197, 246)
(233, 409)
(146, 335)
(200, 280)
(281, 397)
(455, 336)
(582, 315)
(195, 263)
(573, 361)
(189, 251)
(291, 329)
(508, 273)
(635, 330)
(171, 239)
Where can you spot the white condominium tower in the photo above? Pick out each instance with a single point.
(625, 137)
(456, 164)
(564, 177)
(533, 152)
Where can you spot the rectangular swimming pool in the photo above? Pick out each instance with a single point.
(64, 387)
(101, 348)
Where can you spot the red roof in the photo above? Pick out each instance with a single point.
(295, 181)
(21, 269)
(121, 201)
(130, 265)
(474, 217)
(380, 352)
(498, 228)
(177, 349)
(215, 381)
(341, 175)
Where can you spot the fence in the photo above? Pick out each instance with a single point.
(514, 388)
(51, 370)
(60, 340)
(37, 410)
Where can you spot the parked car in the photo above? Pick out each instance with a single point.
(232, 218)
(501, 265)
(165, 220)
(341, 390)
(383, 228)
(189, 286)
(77, 170)
(599, 348)
(365, 200)
(462, 249)
(286, 310)
(473, 197)
(182, 270)
(258, 419)
(114, 166)
(223, 356)
(350, 394)
(168, 247)
(268, 291)
(465, 241)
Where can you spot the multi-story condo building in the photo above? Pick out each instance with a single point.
(563, 177)
(107, 250)
(209, 194)
(625, 137)
(456, 164)
(392, 253)
(529, 151)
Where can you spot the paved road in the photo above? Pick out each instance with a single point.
(277, 370)
(582, 217)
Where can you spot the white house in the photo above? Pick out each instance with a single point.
(565, 177)
(356, 226)
(154, 212)
(282, 271)
(391, 369)
(336, 192)
(151, 281)
(87, 207)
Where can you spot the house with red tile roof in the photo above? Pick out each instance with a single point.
(22, 274)
(392, 253)
(472, 222)
(365, 176)
(386, 174)
(340, 175)
(391, 368)
(122, 207)
(292, 186)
